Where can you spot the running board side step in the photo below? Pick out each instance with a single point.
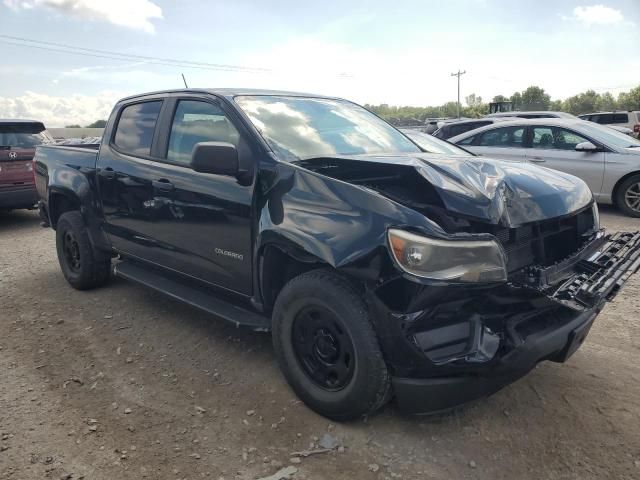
(192, 296)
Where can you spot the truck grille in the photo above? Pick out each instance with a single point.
(546, 242)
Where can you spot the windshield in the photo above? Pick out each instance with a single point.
(609, 136)
(23, 135)
(432, 144)
(306, 127)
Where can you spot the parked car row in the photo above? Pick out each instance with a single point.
(618, 185)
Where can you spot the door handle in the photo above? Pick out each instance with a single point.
(107, 173)
(163, 185)
(537, 159)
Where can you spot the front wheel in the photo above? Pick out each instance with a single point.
(628, 196)
(327, 348)
(81, 265)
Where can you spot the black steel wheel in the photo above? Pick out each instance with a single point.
(323, 347)
(71, 251)
(327, 348)
(81, 265)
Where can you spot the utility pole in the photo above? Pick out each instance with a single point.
(459, 74)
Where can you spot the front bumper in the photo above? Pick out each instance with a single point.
(18, 197)
(463, 343)
(431, 395)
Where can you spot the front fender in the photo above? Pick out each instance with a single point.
(332, 220)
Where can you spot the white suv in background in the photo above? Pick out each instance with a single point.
(630, 119)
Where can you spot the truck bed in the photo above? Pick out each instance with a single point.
(70, 155)
(69, 168)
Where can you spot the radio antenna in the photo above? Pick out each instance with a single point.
(185, 81)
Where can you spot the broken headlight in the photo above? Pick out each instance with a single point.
(457, 260)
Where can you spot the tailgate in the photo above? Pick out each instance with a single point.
(596, 273)
(16, 167)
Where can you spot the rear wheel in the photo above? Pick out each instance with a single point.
(327, 348)
(81, 265)
(628, 196)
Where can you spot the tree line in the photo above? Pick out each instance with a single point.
(532, 98)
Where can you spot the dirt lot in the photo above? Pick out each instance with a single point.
(123, 383)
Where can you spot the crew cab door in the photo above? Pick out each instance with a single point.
(125, 171)
(205, 229)
(554, 147)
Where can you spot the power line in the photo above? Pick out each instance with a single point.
(91, 52)
(459, 74)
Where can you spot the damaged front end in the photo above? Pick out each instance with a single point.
(537, 271)
(449, 344)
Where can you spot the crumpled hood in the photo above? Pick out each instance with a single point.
(494, 191)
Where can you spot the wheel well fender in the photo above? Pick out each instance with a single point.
(614, 193)
(62, 201)
(277, 264)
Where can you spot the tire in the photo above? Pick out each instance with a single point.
(81, 265)
(625, 195)
(325, 308)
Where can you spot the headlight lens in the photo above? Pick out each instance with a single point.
(458, 260)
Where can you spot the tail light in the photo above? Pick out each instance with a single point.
(636, 128)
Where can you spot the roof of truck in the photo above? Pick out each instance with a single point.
(231, 92)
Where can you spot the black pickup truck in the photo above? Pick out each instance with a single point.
(381, 270)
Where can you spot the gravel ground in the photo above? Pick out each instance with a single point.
(121, 382)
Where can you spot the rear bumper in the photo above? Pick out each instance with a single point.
(430, 395)
(23, 197)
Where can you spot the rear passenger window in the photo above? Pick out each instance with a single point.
(604, 119)
(620, 118)
(134, 132)
(508, 137)
(196, 122)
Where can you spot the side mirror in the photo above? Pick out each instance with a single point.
(220, 158)
(586, 147)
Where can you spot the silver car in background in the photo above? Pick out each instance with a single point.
(607, 160)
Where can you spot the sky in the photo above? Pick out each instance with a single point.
(394, 52)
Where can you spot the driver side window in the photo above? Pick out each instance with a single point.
(194, 122)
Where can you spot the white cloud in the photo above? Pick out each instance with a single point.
(135, 14)
(59, 111)
(597, 15)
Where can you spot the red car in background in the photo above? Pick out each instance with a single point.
(18, 141)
